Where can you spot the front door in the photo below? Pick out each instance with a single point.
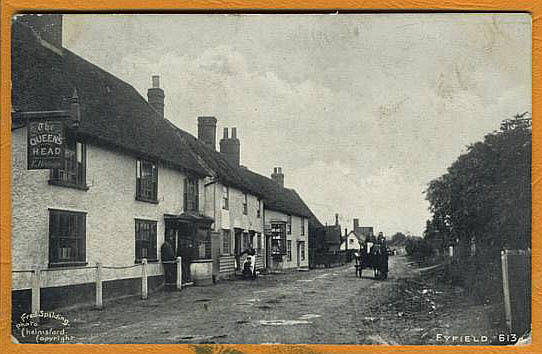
(298, 254)
(268, 251)
(237, 248)
(186, 248)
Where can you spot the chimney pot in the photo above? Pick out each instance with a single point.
(231, 148)
(336, 219)
(278, 176)
(156, 81)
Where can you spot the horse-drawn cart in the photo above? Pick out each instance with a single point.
(373, 257)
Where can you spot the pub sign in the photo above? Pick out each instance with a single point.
(45, 144)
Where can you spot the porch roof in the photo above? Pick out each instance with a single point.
(188, 217)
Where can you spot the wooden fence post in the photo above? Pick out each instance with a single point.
(179, 273)
(506, 289)
(144, 288)
(99, 302)
(36, 275)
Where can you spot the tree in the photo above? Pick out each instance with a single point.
(398, 239)
(486, 193)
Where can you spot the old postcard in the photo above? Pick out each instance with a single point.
(325, 178)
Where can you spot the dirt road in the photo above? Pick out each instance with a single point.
(319, 306)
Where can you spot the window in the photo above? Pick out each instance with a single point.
(145, 240)
(147, 181)
(203, 243)
(67, 238)
(302, 247)
(73, 174)
(258, 212)
(289, 224)
(302, 226)
(259, 243)
(289, 243)
(225, 198)
(245, 204)
(191, 194)
(278, 238)
(226, 242)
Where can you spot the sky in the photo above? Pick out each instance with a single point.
(361, 111)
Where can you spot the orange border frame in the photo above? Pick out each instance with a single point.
(10, 7)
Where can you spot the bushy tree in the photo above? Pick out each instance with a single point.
(485, 196)
(398, 239)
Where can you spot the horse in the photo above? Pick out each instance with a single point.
(376, 259)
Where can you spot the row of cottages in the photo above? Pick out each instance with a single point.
(130, 181)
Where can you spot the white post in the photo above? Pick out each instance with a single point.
(99, 303)
(179, 273)
(36, 275)
(144, 289)
(506, 290)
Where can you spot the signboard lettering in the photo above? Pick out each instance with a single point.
(45, 144)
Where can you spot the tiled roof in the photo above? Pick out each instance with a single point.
(112, 112)
(314, 223)
(277, 198)
(217, 164)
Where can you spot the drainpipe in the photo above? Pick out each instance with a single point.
(213, 182)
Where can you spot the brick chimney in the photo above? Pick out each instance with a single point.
(231, 147)
(207, 131)
(278, 176)
(47, 26)
(156, 96)
(356, 224)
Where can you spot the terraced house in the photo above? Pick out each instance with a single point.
(130, 180)
(286, 222)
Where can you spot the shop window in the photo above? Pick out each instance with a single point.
(145, 240)
(191, 194)
(73, 172)
(226, 242)
(67, 238)
(203, 244)
(146, 181)
(278, 239)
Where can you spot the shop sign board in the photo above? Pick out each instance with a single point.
(46, 142)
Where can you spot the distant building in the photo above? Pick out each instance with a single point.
(331, 240)
(363, 232)
(351, 242)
